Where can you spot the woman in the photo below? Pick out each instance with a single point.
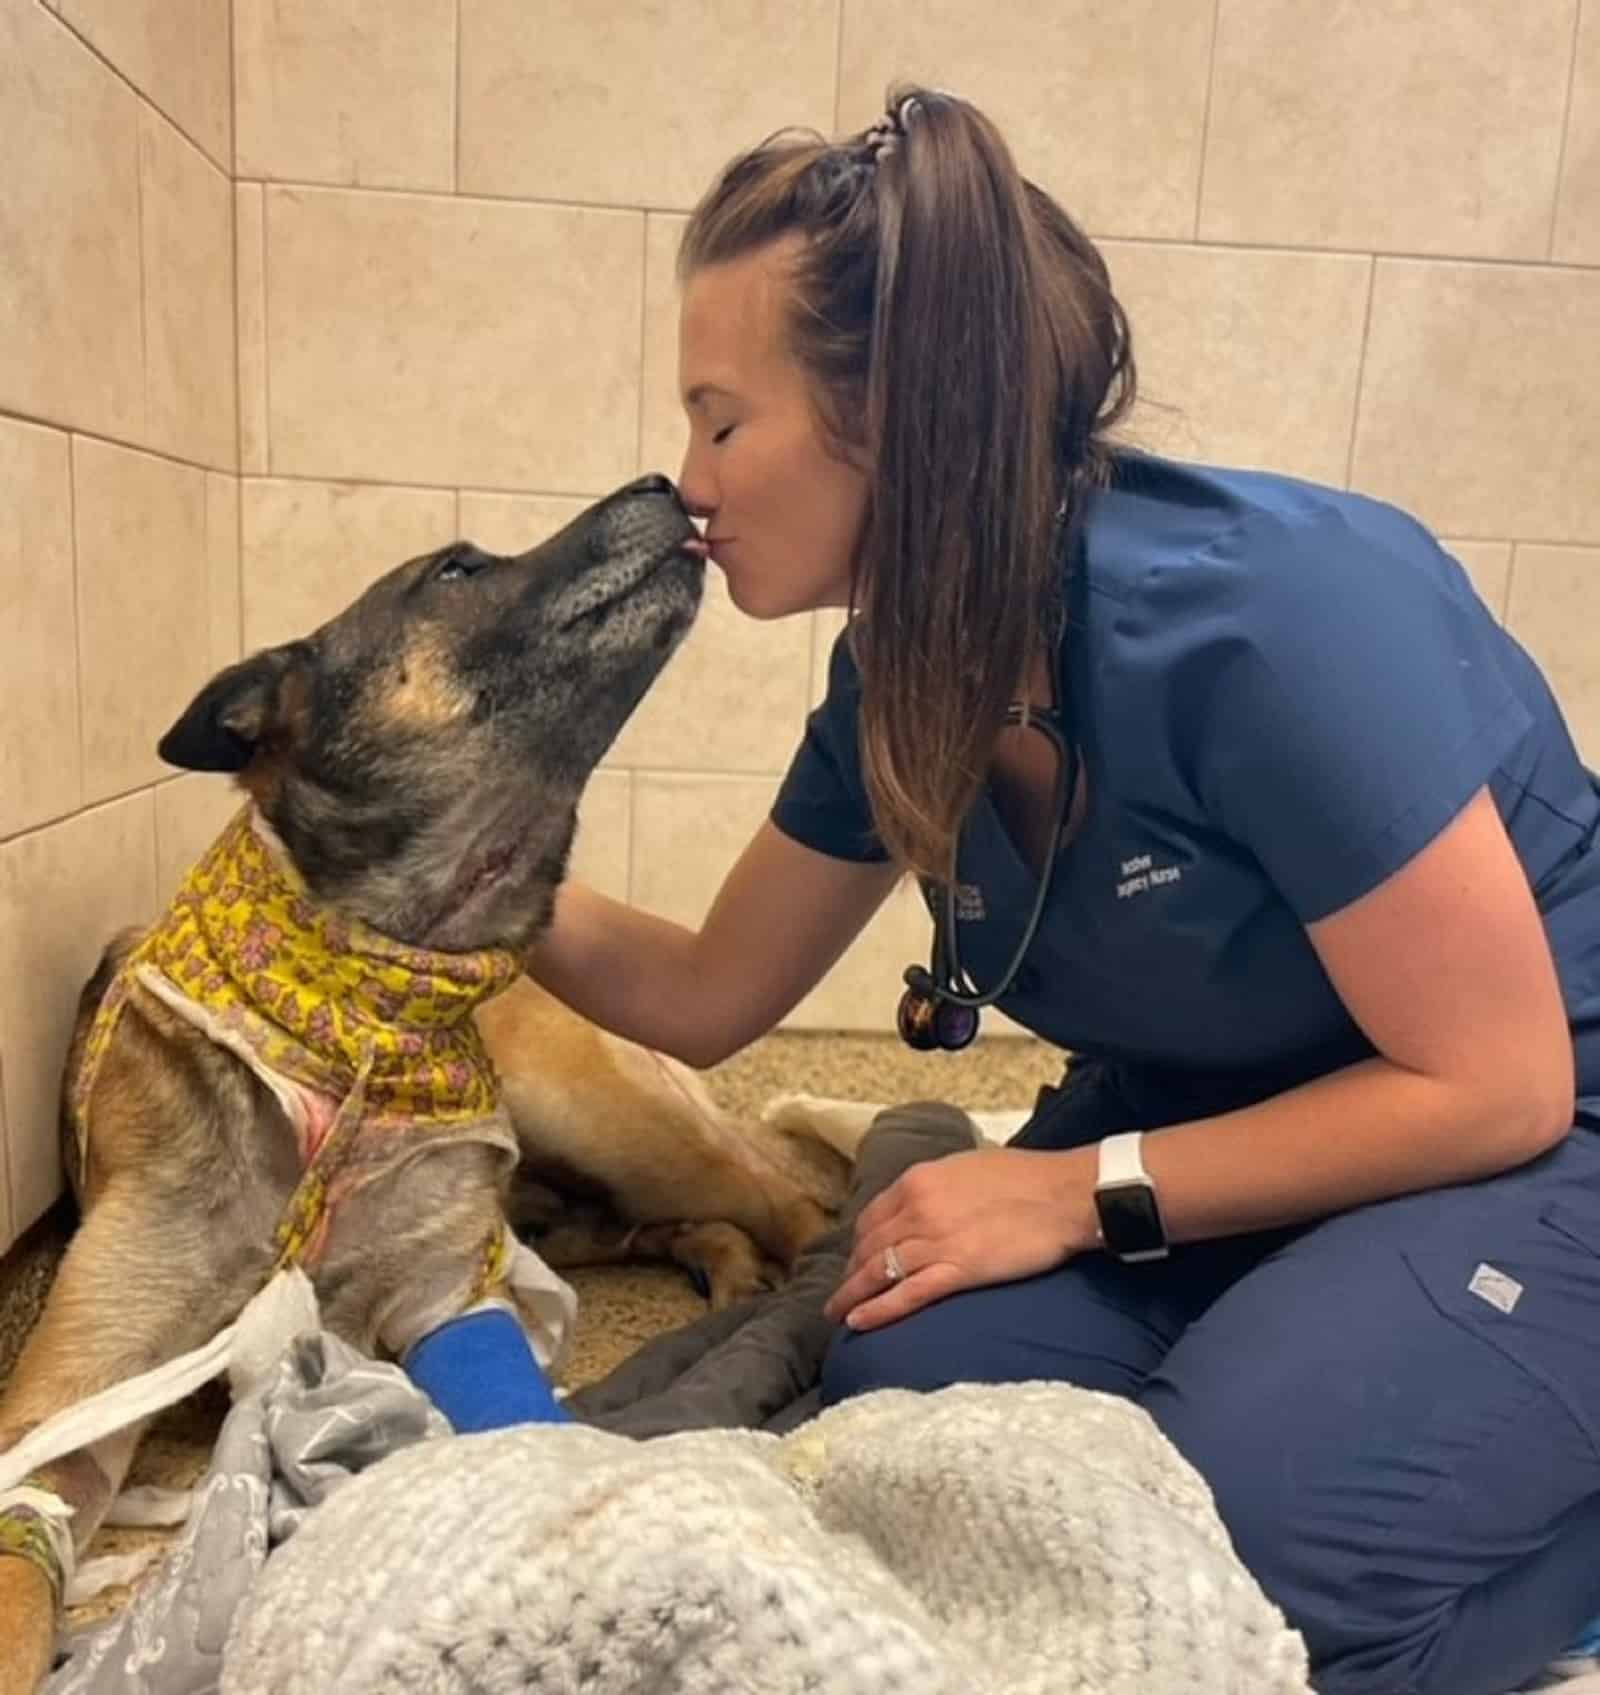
(1323, 916)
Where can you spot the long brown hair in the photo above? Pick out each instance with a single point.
(964, 345)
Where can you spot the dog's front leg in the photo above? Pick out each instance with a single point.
(137, 1287)
(86, 1483)
(421, 1266)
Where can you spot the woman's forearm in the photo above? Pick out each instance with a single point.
(782, 917)
(628, 971)
(1368, 1132)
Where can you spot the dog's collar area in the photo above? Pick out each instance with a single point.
(327, 935)
(313, 1001)
(320, 996)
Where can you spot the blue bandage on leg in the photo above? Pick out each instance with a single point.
(479, 1371)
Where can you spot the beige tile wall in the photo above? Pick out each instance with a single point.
(292, 288)
(119, 498)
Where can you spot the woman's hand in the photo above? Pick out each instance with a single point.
(990, 1216)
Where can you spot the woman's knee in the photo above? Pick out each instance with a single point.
(1416, 1551)
(1056, 1328)
(905, 1355)
(1309, 1577)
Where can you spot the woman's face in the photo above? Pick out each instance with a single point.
(783, 514)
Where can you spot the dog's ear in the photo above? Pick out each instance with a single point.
(240, 710)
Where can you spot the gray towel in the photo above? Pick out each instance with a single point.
(755, 1365)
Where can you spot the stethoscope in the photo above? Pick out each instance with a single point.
(941, 1003)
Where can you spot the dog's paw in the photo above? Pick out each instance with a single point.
(728, 1290)
(723, 1263)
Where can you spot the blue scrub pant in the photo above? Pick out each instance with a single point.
(1412, 1474)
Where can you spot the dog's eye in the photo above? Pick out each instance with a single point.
(461, 562)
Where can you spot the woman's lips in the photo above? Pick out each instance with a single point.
(705, 547)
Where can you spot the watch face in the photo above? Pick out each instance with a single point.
(1130, 1221)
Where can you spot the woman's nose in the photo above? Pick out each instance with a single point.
(695, 487)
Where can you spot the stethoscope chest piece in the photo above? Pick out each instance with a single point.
(927, 1021)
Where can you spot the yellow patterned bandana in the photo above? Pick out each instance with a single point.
(370, 1042)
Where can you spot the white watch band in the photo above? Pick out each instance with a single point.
(1120, 1159)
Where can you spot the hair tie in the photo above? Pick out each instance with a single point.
(886, 134)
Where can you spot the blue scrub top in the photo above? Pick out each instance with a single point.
(1280, 694)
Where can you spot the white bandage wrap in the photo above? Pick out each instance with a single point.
(144, 1507)
(246, 1349)
(56, 1518)
(110, 1571)
(544, 1304)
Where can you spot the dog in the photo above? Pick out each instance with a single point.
(324, 1055)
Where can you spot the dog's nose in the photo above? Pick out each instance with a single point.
(655, 483)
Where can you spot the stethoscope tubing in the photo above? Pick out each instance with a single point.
(947, 979)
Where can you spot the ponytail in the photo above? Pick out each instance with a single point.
(966, 348)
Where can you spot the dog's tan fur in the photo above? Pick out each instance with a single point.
(626, 1155)
(190, 1158)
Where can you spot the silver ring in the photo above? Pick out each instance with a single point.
(893, 1270)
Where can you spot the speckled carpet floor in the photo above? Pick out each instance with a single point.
(620, 1307)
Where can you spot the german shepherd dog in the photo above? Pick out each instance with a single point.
(413, 768)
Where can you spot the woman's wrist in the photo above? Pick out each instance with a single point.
(1072, 1174)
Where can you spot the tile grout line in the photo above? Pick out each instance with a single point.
(644, 320)
(238, 339)
(238, 344)
(593, 206)
(715, 774)
(144, 281)
(39, 421)
(233, 94)
(77, 620)
(455, 128)
(262, 247)
(468, 197)
(155, 839)
(838, 59)
(1442, 528)
(58, 819)
(139, 94)
(1205, 118)
(1566, 128)
(238, 565)
(1310, 250)
(1361, 371)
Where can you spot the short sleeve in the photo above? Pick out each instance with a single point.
(1334, 695)
(822, 803)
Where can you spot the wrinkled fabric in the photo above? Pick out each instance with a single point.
(756, 1365)
(324, 1415)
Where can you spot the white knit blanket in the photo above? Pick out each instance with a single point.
(976, 1541)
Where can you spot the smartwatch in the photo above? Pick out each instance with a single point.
(1131, 1229)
